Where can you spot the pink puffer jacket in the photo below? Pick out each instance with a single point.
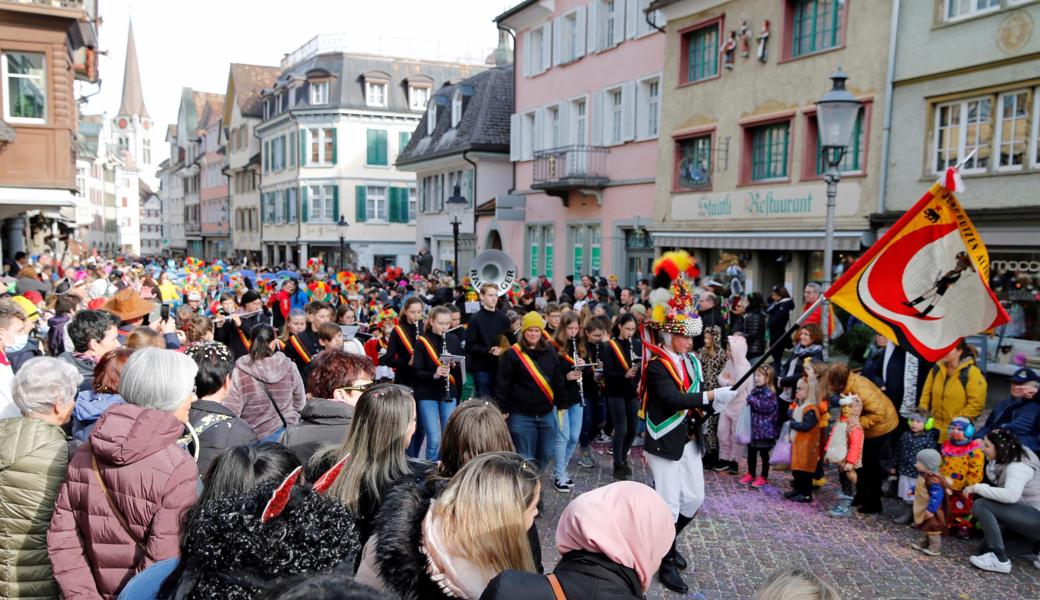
(152, 481)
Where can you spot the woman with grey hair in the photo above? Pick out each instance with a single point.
(34, 455)
(128, 486)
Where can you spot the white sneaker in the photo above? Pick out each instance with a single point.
(1036, 561)
(990, 562)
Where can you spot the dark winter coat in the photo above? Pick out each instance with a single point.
(518, 392)
(234, 336)
(779, 314)
(218, 429)
(755, 333)
(152, 481)
(56, 334)
(795, 365)
(482, 334)
(903, 379)
(764, 414)
(84, 364)
(257, 386)
(398, 357)
(910, 444)
(29, 351)
(617, 385)
(582, 575)
(321, 422)
(664, 401)
(427, 387)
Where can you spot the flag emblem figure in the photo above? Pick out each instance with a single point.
(925, 283)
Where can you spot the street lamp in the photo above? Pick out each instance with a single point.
(342, 224)
(456, 206)
(836, 115)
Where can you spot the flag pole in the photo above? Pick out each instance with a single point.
(776, 343)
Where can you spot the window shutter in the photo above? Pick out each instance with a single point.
(628, 110)
(592, 38)
(596, 119)
(537, 140)
(514, 137)
(334, 145)
(403, 138)
(564, 116)
(384, 148)
(281, 151)
(267, 155)
(393, 209)
(467, 187)
(579, 19)
(632, 17)
(642, 110)
(305, 212)
(547, 45)
(335, 203)
(359, 204)
(290, 205)
(370, 147)
(263, 208)
(557, 42)
(304, 155)
(527, 53)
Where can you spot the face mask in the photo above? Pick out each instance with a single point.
(19, 342)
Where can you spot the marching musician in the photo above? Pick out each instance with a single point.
(302, 347)
(233, 330)
(621, 361)
(674, 406)
(579, 381)
(400, 356)
(437, 383)
(529, 383)
(486, 326)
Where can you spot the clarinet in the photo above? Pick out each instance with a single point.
(447, 380)
(581, 374)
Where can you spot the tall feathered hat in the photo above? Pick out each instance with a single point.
(672, 297)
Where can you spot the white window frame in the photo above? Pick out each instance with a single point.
(998, 141)
(316, 135)
(374, 98)
(527, 136)
(552, 127)
(373, 203)
(972, 9)
(413, 203)
(578, 128)
(962, 134)
(648, 108)
(431, 118)
(616, 98)
(320, 192)
(537, 41)
(456, 108)
(417, 92)
(319, 93)
(6, 77)
(279, 103)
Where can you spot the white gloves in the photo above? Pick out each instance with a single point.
(723, 396)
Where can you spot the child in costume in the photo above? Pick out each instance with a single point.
(929, 516)
(764, 425)
(919, 436)
(805, 441)
(845, 449)
(963, 465)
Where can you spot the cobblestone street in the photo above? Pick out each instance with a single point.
(741, 536)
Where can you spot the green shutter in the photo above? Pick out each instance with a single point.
(402, 140)
(333, 145)
(335, 203)
(266, 154)
(263, 208)
(285, 205)
(304, 155)
(359, 204)
(376, 147)
(371, 147)
(392, 207)
(384, 149)
(304, 212)
(282, 150)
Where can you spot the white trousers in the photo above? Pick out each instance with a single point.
(679, 482)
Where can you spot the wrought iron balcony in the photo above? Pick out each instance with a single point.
(558, 171)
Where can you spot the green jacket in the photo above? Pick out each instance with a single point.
(34, 456)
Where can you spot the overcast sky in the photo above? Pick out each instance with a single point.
(191, 42)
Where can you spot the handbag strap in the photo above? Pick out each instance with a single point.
(277, 410)
(112, 503)
(556, 587)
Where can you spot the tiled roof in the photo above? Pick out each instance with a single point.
(485, 119)
(249, 80)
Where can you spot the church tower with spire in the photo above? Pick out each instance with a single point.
(132, 127)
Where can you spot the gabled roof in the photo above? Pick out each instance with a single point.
(244, 85)
(212, 110)
(133, 96)
(485, 119)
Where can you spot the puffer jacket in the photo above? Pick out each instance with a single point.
(947, 398)
(582, 575)
(151, 480)
(322, 422)
(33, 459)
(879, 414)
(256, 386)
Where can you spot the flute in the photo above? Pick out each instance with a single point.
(222, 318)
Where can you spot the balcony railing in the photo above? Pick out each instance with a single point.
(570, 167)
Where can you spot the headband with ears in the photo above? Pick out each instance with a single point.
(280, 498)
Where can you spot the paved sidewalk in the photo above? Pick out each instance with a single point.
(741, 536)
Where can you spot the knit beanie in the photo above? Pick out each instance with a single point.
(248, 297)
(930, 459)
(532, 319)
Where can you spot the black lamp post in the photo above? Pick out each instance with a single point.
(456, 206)
(836, 115)
(342, 224)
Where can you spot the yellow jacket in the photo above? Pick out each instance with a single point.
(946, 398)
(879, 415)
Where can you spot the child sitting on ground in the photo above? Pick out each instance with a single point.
(929, 516)
(963, 464)
(845, 449)
(919, 436)
(805, 440)
(763, 402)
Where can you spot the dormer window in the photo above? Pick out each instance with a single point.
(418, 96)
(267, 109)
(431, 119)
(456, 108)
(319, 92)
(279, 102)
(375, 93)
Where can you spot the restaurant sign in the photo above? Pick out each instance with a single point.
(795, 202)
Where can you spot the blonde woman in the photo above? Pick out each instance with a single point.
(452, 546)
(384, 421)
(796, 584)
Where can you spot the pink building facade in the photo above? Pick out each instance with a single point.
(583, 138)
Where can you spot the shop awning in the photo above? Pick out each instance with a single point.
(17, 200)
(758, 240)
